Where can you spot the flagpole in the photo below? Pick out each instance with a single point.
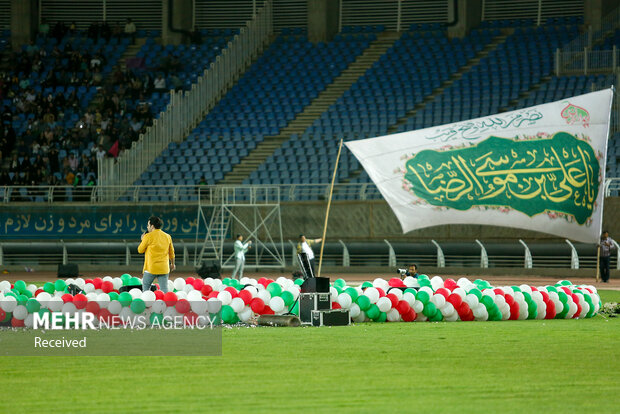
(329, 203)
(598, 263)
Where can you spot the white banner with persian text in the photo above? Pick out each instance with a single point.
(540, 168)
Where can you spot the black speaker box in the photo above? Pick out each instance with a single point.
(129, 287)
(212, 270)
(68, 270)
(315, 285)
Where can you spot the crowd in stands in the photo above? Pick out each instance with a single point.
(49, 134)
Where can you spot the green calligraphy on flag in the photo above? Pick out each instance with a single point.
(531, 176)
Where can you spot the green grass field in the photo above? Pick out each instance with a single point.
(482, 367)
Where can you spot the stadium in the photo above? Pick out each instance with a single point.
(302, 156)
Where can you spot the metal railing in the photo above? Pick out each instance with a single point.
(187, 109)
(587, 61)
(212, 195)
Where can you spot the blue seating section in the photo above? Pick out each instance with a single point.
(285, 79)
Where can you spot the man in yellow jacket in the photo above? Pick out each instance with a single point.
(158, 255)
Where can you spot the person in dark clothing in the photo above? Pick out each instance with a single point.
(606, 246)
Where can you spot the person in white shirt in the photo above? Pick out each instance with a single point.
(304, 246)
(240, 249)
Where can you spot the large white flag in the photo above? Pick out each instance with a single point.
(540, 168)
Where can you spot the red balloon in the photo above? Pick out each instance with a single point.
(509, 299)
(107, 286)
(566, 290)
(392, 297)
(396, 282)
(550, 310)
(17, 323)
(514, 311)
(206, 289)
(463, 309)
(468, 317)
(89, 281)
(579, 309)
(190, 281)
(545, 295)
(66, 298)
(36, 293)
(409, 316)
(266, 282)
(80, 301)
(232, 290)
(443, 291)
(213, 294)
(336, 305)
(403, 307)
(189, 319)
(534, 289)
(246, 296)
(381, 292)
(93, 307)
(498, 291)
(159, 295)
(455, 300)
(198, 284)
(257, 305)
(2, 315)
(450, 284)
(268, 311)
(183, 306)
(170, 298)
(105, 316)
(97, 282)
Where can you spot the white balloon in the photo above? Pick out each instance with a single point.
(253, 291)
(421, 317)
(396, 292)
(294, 291)
(117, 283)
(471, 300)
(354, 310)
(89, 287)
(189, 288)
(500, 301)
(460, 291)
(91, 296)
(427, 290)
(181, 295)
(54, 304)
(245, 314)
(148, 297)
(361, 317)
(170, 286)
(276, 304)
(439, 300)
(170, 314)
(447, 309)
(20, 312)
(418, 306)
(115, 307)
(384, 304)
(29, 321)
(411, 281)
(5, 286)
(159, 306)
(194, 295)
(199, 306)
(103, 299)
(106, 279)
(436, 282)
(393, 315)
(43, 297)
(237, 304)
(409, 298)
(584, 310)
(333, 292)
(58, 294)
(225, 297)
(344, 299)
(453, 317)
(69, 308)
(81, 283)
(372, 293)
(264, 295)
(179, 283)
(32, 288)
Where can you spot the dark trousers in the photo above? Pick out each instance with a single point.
(604, 267)
(312, 267)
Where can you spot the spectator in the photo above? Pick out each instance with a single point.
(160, 84)
(130, 30)
(44, 28)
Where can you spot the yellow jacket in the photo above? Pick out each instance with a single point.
(159, 251)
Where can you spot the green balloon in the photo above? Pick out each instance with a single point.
(436, 317)
(487, 301)
(363, 302)
(412, 291)
(11, 293)
(216, 318)
(429, 309)
(27, 293)
(156, 317)
(373, 311)
(43, 311)
(22, 299)
(552, 289)
(49, 288)
(274, 288)
(340, 283)
(423, 277)
(33, 305)
(137, 305)
(351, 292)
(366, 285)
(563, 297)
(125, 298)
(113, 295)
(381, 318)
(515, 288)
(295, 309)
(226, 281)
(228, 314)
(60, 285)
(134, 281)
(425, 283)
(423, 296)
(125, 279)
(299, 281)
(20, 285)
(288, 298)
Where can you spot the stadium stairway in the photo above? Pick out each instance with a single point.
(498, 40)
(320, 104)
(513, 104)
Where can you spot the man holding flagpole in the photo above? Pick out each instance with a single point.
(606, 246)
(240, 249)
